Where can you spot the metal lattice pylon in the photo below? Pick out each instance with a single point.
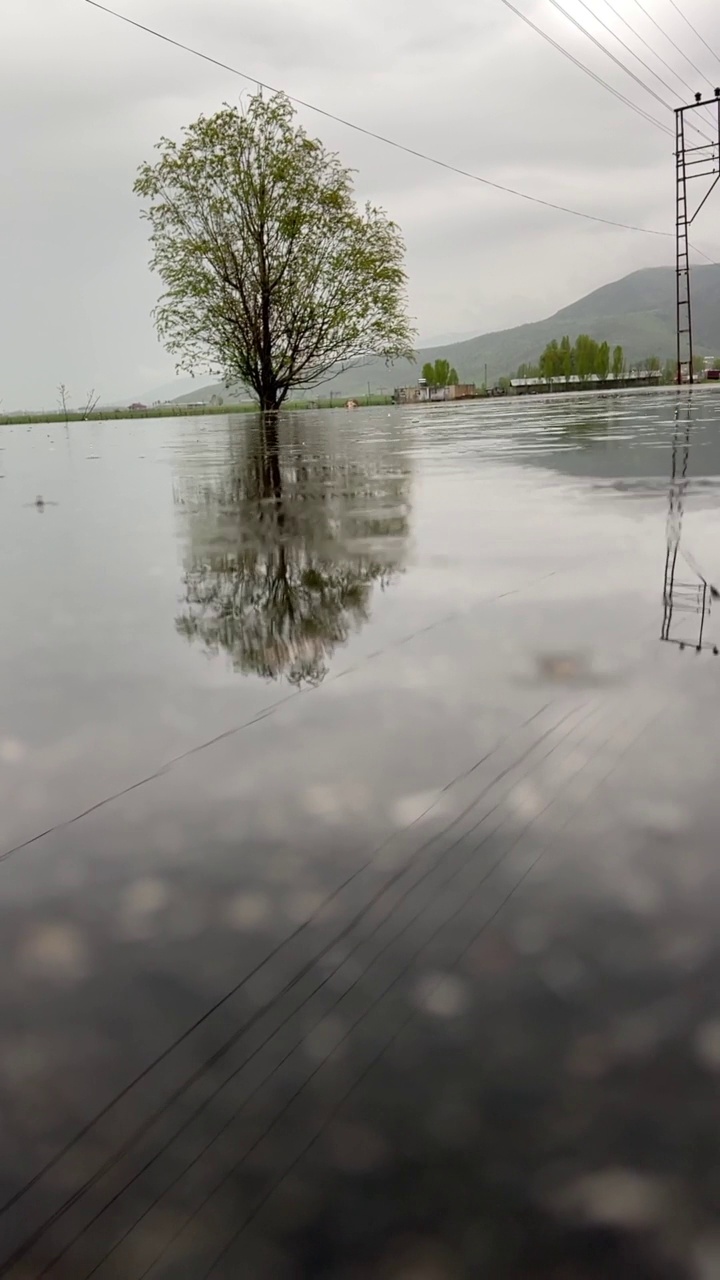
(691, 163)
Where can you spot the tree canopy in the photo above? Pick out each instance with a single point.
(585, 358)
(440, 374)
(273, 277)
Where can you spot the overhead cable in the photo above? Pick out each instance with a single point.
(694, 30)
(618, 61)
(399, 146)
(625, 45)
(593, 75)
(369, 133)
(669, 38)
(639, 36)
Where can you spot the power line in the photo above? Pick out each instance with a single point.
(598, 79)
(694, 30)
(618, 61)
(670, 40)
(399, 146)
(704, 255)
(443, 164)
(639, 36)
(627, 47)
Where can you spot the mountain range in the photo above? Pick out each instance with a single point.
(636, 312)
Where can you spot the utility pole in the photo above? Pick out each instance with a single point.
(690, 163)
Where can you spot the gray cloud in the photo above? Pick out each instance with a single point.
(83, 99)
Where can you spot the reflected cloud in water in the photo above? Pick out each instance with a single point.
(286, 543)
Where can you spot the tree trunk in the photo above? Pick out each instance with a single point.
(269, 394)
(272, 477)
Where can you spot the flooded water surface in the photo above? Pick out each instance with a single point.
(359, 816)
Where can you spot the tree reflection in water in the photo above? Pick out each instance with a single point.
(285, 545)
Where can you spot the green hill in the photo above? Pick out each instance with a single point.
(638, 312)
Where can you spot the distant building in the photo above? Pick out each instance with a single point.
(422, 393)
(636, 377)
(134, 408)
(411, 395)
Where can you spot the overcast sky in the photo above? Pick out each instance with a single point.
(83, 99)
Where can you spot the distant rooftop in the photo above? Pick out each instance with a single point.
(635, 375)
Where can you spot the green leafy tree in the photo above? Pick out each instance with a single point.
(618, 362)
(586, 356)
(272, 276)
(567, 358)
(550, 360)
(440, 374)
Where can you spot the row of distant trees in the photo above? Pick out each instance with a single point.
(587, 357)
(584, 358)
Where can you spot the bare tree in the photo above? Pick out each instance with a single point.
(63, 400)
(90, 404)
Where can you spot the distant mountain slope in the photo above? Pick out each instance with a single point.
(638, 312)
(168, 391)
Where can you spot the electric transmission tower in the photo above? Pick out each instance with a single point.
(691, 163)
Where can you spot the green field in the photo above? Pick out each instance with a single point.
(177, 411)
